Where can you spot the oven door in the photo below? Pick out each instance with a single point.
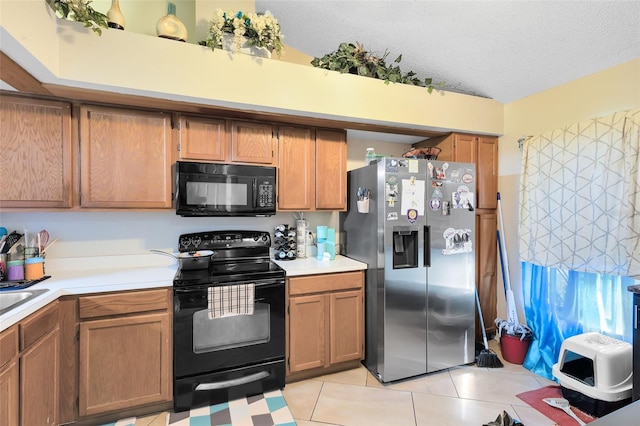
(204, 345)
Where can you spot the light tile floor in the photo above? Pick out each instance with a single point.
(466, 395)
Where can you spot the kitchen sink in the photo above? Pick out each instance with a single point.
(12, 299)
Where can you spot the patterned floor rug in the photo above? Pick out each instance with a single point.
(269, 409)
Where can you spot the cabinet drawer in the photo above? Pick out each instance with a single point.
(103, 305)
(8, 345)
(325, 282)
(38, 324)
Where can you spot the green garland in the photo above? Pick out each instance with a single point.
(353, 59)
(80, 11)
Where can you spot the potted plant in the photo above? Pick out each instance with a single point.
(515, 339)
(80, 11)
(256, 30)
(354, 59)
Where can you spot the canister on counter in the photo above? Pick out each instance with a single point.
(15, 270)
(34, 268)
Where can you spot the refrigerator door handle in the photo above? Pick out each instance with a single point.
(427, 246)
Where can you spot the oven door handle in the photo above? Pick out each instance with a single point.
(233, 382)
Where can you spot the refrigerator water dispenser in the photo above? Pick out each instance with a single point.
(405, 248)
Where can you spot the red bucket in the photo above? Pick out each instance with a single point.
(513, 349)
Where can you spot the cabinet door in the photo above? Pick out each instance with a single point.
(487, 248)
(487, 171)
(36, 160)
(331, 170)
(124, 362)
(252, 143)
(307, 332)
(464, 148)
(9, 402)
(203, 139)
(296, 169)
(39, 388)
(126, 158)
(346, 326)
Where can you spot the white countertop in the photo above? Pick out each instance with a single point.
(94, 275)
(74, 276)
(313, 266)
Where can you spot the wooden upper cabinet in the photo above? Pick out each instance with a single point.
(464, 148)
(454, 147)
(296, 169)
(331, 170)
(203, 139)
(252, 143)
(487, 171)
(36, 160)
(480, 150)
(125, 158)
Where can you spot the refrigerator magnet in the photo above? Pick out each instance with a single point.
(412, 215)
(434, 203)
(392, 216)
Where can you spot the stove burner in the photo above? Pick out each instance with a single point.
(240, 256)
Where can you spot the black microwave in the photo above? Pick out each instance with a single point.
(208, 189)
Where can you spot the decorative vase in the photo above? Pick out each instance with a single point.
(170, 26)
(228, 43)
(115, 18)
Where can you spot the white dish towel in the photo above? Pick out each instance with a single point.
(229, 300)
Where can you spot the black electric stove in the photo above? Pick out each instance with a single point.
(218, 359)
(238, 256)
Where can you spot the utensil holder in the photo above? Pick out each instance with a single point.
(34, 268)
(363, 206)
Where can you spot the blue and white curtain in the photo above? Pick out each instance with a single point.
(579, 232)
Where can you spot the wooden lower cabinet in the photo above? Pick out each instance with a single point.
(325, 321)
(9, 391)
(9, 377)
(486, 268)
(346, 326)
(125, 360)
(307, 335)
(29, 370)
(39, 387)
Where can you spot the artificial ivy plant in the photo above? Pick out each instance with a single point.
(354, 59)
(80, 11)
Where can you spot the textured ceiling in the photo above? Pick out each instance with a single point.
(505, 50)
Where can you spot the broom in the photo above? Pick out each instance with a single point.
(486, 357)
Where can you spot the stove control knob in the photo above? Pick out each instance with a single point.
(196, 241)
(185, 242)
(265, 237)
(256, 237)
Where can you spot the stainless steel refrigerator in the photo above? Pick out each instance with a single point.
(417, 238)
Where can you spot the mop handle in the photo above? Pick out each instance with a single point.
(512, 313)
(503, 247)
